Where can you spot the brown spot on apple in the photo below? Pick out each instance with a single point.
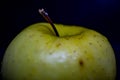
(79, 38)
(100, 45)
(50, 53)
(58, 45)
(74, 51)
(47, 43)
(81, 62)
(94, 35)
(31, 35)
(90, 43)
(97, 41)
(67, 38)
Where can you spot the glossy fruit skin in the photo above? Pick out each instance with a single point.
(78, 54)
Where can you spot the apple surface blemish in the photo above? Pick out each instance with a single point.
(85, 51)
(90, 43)
(74, 51)
(58, 45)
(95, 35)
(81, 62)
(67, 38)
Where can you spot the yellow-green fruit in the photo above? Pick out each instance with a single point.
(77, 54)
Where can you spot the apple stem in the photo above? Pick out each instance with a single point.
(47, 18)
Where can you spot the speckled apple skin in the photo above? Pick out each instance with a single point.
(77, 54)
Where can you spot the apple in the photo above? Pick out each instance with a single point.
(74, 53)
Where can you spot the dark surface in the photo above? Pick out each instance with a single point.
(100, 15)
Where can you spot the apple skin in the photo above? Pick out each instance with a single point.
(78, 54)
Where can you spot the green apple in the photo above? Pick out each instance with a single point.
(59, 52)
(78, 53)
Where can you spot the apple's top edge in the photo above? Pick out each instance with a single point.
(61, 24)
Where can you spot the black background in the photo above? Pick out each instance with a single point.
(100, 15)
